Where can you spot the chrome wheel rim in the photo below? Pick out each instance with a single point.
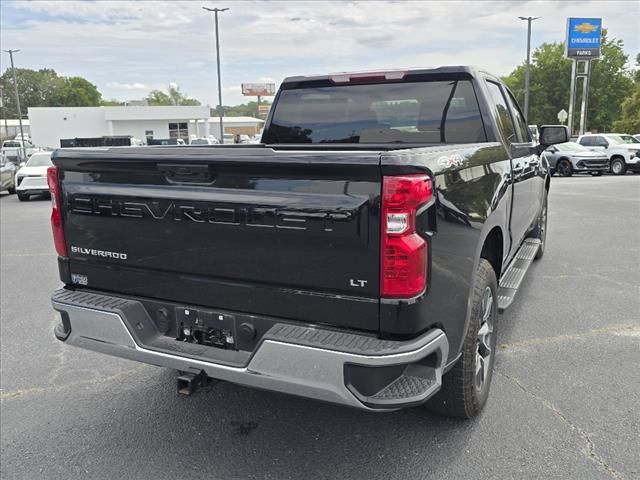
(483, 340)
(616, 167)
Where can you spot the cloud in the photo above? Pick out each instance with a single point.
(151, 43)
(128, 86)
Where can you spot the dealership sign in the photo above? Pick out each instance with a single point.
(258, 89)
(584, 36)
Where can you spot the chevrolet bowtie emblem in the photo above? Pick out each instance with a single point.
(585, 27)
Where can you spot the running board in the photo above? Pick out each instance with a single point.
(512, 278)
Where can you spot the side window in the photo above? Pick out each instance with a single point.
(600, 142)
(521, 125)
(505, 122)
(587, 141)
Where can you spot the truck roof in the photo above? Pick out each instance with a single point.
(465, 70)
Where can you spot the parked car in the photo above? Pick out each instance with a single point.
(203, 141)
(318, 264)
(15, 153)
(636, 137)
(571, 157)
(245, 139)
(31, 178)
(535, 133)
(165, 141)
(229, 139)
(7, 175)
(622, 155)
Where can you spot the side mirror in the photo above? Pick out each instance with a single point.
(553, 134)
(22, 164)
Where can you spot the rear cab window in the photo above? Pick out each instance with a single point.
(411, 111)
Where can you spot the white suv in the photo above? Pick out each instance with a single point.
(622, 155)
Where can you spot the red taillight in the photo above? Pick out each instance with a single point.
(403, 263)
(56, 211)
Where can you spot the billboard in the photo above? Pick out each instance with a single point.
(584, 36)
(258, 89)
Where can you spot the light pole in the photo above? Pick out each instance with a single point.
(526, 74)
(15, 86)
(215, 11)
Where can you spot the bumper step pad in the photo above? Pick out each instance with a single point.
(512, 278)
(407, 388)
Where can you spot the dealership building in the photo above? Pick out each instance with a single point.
(48, 125)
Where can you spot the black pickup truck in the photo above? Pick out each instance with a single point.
(359, 255)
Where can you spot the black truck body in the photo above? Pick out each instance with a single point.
(277, 266)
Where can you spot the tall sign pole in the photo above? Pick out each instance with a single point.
(584, 37)
(15, 86)
(221, 109)
(528, 68)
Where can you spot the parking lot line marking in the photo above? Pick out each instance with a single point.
(591, 449)
(623, 330)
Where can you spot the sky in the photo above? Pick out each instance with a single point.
(128, 48)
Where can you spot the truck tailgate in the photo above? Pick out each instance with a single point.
(289, 234)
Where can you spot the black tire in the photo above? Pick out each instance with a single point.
(564, 168)
(11, 190)
(596, 174)
(23, 197)
(460, 395)
(618, 167)
(540, 228)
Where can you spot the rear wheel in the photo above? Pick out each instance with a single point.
(11, 190)
(565, 169)
(618, 167)
(465, 388)
(23, 197)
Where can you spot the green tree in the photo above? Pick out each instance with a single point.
(36, 89)
(630, 120)
(76, 92)
(173, 96)
(249, 109)
(611, 82)
(44, 88)
(158, 98)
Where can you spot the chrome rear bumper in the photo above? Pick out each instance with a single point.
(305, 361)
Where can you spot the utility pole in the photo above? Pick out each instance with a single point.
(216, 10)
(527, 71)
(15, 86)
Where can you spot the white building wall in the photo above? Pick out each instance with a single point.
(49, 125)
(137, 128)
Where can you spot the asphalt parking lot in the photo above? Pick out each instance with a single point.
(564, 402)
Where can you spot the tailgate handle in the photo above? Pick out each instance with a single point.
(181, 173)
